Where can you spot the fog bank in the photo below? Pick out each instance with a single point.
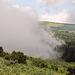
(20, 31)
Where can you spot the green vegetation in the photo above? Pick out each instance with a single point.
(14, 68)
(1, 49)
(65, 32)
(64, 35)
(17, 63)
(59, 26)
(68, 51)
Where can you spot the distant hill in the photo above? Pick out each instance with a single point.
(59, 26)
(63, 31)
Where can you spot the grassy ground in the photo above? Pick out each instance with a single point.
(65, 32)
(11, 68)
(14, 68)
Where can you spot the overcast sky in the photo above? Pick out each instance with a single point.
(51, 10)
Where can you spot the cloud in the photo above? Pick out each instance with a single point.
(71, 17)
(52, 2)
(59, 17)
(65, 16)
(20, 31)
(73, 1)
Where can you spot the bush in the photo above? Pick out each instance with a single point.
(63, 70)
(3, 54)
(11, 62)
(39, 63)
(7, 57)
(71, 70)
(19, 56)
(1, 49)
(54, 67)
(68, 51)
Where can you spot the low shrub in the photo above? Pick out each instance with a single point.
(1, 49)
(54, 67)
(71, 70)
(39, 63)
(3, 54)
(19, 56)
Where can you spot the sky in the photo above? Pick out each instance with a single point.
(31, 3)
(61, 11)
(42, 8)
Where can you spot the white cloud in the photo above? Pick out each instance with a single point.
(73, 1)
(64, 16)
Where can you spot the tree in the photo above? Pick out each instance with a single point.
(1, 49)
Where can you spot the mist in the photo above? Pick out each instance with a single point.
(20, 31)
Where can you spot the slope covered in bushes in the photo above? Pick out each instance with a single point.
(17, 63)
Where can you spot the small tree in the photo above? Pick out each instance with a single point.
(18, 56)
(40, 63)
(1, 49)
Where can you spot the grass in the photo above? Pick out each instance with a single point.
(13, 68)
(22, 69)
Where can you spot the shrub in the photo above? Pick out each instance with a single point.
(3, 54)
(7, 57)
(1, 49)
(63, 70)
(40, 63)
(71, 70)
(54, 67)
(68, 51)
(19, 56)
(11, 62)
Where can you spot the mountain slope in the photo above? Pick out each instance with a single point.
(63, 31)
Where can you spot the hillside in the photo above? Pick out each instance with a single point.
(17, 63)
(65, 32)
(61, 30)
(60, 26)
(36, 66)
